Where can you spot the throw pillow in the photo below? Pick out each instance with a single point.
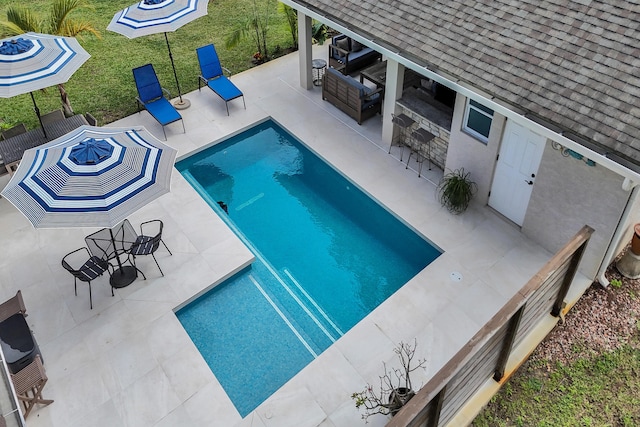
(343, 44)
(356, 46)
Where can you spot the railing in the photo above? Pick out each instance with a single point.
(9, 406)
(488, 353)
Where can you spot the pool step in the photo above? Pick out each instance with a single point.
(297, 313)
(299, 334)
(303, 316)
(324, 321)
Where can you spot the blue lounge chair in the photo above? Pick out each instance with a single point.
(212, 75)
(152, 96)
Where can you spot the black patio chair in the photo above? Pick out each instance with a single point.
(84, 267)
(14, 131)
(149, 241)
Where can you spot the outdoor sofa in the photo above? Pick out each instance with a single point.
(348, 55)
(351, 96)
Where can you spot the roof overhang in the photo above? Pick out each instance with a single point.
(624, 168)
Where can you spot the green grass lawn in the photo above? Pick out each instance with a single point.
(597, 391)
(586, 372)
(104, 85)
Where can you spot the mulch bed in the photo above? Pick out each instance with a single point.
(602, 320)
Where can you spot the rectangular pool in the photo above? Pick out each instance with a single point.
(327, 254)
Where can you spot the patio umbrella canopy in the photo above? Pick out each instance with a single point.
(91, 177)
(158, 16)
(33, 61)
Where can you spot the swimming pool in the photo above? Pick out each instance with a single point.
(326, 256)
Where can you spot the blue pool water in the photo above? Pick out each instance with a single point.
(326, 256)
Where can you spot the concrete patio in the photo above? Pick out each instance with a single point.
(128, 362)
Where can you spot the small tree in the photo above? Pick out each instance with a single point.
(256, 26)
(292, 19)
(395, 385)
(22, 20)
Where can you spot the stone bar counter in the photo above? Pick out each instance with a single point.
(435, 116)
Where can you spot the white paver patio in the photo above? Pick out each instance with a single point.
(128, 362)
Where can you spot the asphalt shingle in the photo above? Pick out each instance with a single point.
(575, 64)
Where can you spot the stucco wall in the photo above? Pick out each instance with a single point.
(569, 194)
(472, 154)
(633, 219)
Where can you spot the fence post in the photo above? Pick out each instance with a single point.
(507, 344)
(436, 407)
(568, 279)
(464, 375)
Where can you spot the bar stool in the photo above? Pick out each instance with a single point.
(419, 138)
(404, 123)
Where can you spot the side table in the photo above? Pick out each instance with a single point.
(318, 66)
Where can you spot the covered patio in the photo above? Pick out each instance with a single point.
(128, 362)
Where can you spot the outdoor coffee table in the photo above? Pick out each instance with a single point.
(12, 149)
(376, 74)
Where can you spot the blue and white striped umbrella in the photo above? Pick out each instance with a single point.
(158, 16)
(91, 177)
(33, 61)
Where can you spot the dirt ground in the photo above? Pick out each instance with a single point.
(602, 320)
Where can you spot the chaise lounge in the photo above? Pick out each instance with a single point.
(152, 96)
(211, 75)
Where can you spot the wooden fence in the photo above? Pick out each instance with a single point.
(487, 354)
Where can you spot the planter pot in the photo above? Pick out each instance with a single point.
(398, 398)
(635, 241)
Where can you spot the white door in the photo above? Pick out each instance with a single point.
(516, 170)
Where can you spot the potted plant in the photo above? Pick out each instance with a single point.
(395, 385)
(456, 190)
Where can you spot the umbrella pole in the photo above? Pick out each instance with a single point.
(37, 110)
(124, 275)
(113, 242)
(182, 103)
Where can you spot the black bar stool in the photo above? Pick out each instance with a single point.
(419, 138)
(404, 123)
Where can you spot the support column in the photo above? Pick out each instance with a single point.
(392, 92)
(305, 52)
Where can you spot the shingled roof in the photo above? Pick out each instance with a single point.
(574, 64)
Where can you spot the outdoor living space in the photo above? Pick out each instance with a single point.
(129, 362)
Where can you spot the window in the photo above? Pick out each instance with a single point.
(477, 120)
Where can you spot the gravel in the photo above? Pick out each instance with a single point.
(602, 320)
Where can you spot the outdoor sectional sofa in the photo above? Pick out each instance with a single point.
(348, 55)
(351, 96)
